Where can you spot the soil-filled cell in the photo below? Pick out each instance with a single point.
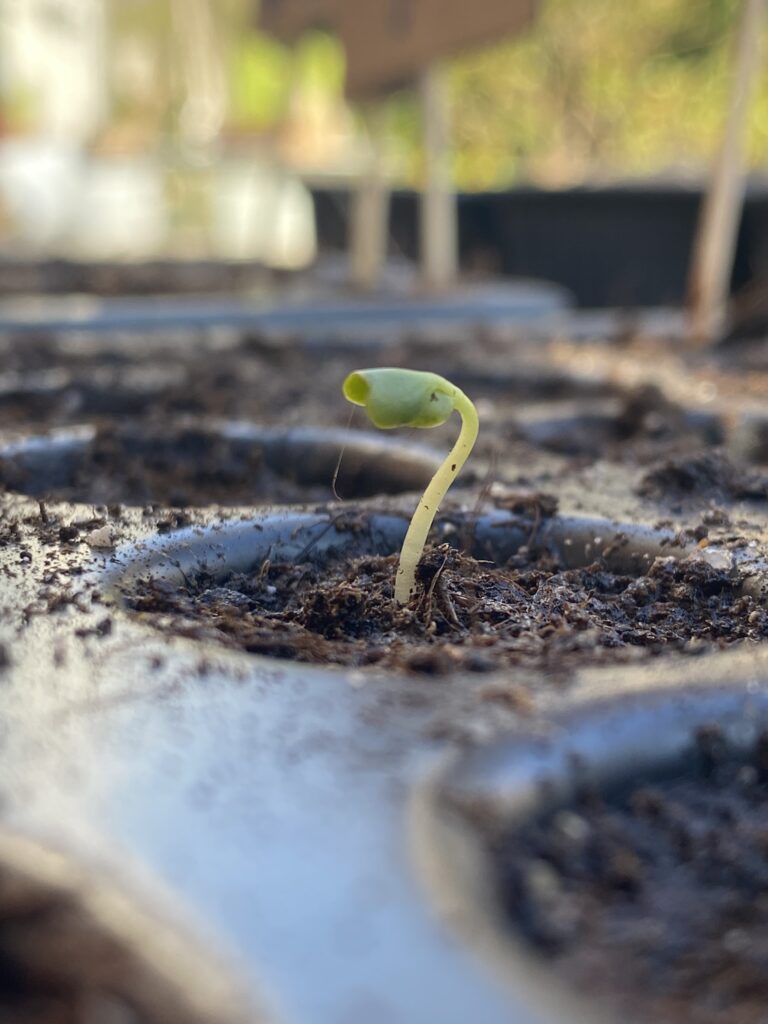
(653, 895)
(543, 593)
(236, 464)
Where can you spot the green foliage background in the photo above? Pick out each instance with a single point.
(598, 89)
(601, 88)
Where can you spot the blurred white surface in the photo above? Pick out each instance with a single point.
(55, 53)
(258, 212)
(119, 210)
(39, 181)
(61, 201)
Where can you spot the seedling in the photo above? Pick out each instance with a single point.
(412, 398)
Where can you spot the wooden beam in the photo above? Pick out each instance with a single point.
(438, 209)
(716, 235)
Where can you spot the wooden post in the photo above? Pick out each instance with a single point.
(194, 23)
(438, 212)
(716, 234)
(369, 215)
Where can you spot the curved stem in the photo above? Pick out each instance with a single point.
(423, 517)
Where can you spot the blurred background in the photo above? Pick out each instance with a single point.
(144, 129)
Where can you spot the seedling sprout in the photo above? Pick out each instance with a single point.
(412, 398)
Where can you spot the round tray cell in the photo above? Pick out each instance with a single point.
(622, 859)
(642, 425)
(60, 395)
(531, 382)
(230, 464)
(540, 592)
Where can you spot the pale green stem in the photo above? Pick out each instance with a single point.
(423, 517)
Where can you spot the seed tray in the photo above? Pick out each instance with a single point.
(289, 830)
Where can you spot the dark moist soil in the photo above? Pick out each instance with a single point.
(705, 474)
(655, 897)
(47, 381)
(158, 277)
(470, 616)
(638, 426)
(271, 380)
(179, 467)
(290, 380)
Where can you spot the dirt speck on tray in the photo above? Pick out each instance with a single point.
(653, 897)
(470, 616)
